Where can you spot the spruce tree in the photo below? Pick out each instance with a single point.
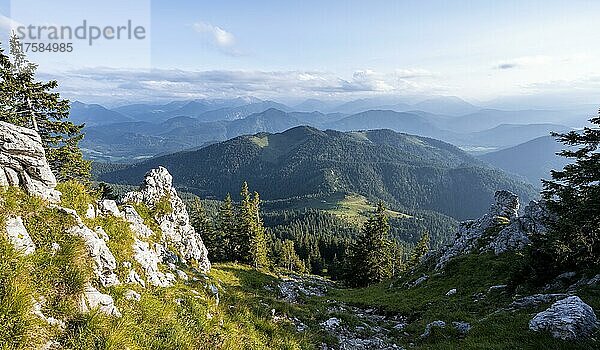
(223, 240)
(371, 256)
(289, 259)
(421, 248)
(258, 238)
(573, 196)
(203, 226)
(245, 227)
(26, 102)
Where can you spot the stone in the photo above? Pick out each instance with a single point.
(462, 327)
(535, 300)
(149, 259)
(18, 236)
(90, 213)
(37, 310)
(175, 225)
(136, 223)
(331, 323)
(105, 263)
(497, 287)
(430, 326)
(108, 207)
(499, 230)
(102, 234)
(132, 295)
(134, 278)
(566, 319)
(93, 299)
(419, 281)
(23, 162)
(451, 292)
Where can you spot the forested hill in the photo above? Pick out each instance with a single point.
(405, 171)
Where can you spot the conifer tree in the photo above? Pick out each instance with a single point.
(573, 196)
(223, 240)
(258, 239)
(245, 227)
(421, 248)
(203, 226)
(289, 259)
(371, 257)
(33, 104)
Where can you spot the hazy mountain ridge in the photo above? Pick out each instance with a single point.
(533, 159)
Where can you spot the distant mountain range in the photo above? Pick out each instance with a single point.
(403, 170)
(533, 159)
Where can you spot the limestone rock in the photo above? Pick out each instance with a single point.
(566, 319)
(132, 295)
(149, 259)
(175, 225)
(133, 277)
(37, 310)
(500, 230)
(90, 213)
(93, 299)
(462, 327)
(331, 324)
(18, 236)
(108, 207)
(104, 261)
(535, 300)
(136, 223)
(23, 162)
(430, 326)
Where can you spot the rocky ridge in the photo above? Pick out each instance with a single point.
(500, 230)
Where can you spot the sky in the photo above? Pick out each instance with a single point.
(477, 50)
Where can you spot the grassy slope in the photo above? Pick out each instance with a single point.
(187, 316)
(471, 275)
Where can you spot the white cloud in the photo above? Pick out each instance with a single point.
(218, 36)
(173, 83)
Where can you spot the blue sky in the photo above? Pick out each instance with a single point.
(477, 50)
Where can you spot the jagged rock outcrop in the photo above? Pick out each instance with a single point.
(104, 261)
(175, 225)
(566, 319)
(500, 230)
(23, 162)
(19, 237)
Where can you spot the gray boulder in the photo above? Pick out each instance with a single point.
(566, 319)
(23, 162)
(18, 236)
(175, 225)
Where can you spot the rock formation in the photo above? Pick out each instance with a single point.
(566, 319)
(104, 261)
(500, 230)
(177, 232)
(18, 236)
(23, 162)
